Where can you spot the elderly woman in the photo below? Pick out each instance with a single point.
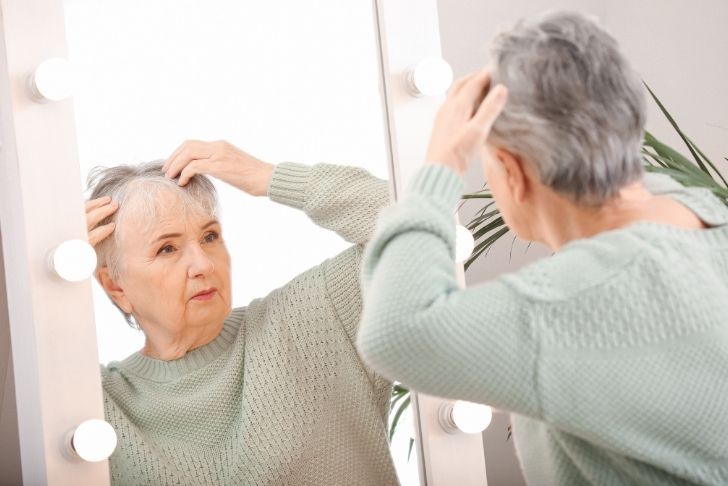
(612, 353)
(270, 393)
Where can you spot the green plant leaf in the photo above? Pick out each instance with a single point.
(398, 414)
(676, 127)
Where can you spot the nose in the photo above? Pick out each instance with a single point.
(200, 263)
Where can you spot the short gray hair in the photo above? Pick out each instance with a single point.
(138, 187)
(576, 110)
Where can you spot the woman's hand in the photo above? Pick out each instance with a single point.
(223, 161)
(96, 211)
(464, 121)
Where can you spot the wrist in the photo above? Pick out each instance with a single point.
(266, 175)
(455, 167)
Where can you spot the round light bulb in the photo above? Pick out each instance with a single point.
(94, 440)
(430, 77)
(73, 260)
(471, 418)
(464, 243)
(52, 80)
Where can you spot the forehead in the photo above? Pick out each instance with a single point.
(148, 214)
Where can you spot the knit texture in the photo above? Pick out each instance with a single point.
(612, 353)
(281, 395)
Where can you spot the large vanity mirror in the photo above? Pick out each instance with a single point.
(288, 83)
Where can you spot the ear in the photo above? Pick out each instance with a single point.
(517, 175)
(113, 290)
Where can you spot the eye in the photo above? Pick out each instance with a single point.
(211, 236)
(165, 249)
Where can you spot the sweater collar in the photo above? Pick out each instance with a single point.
(161, 370)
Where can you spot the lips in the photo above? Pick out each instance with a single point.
(205, 294)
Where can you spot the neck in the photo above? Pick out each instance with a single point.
(161, 343)
(558, 220)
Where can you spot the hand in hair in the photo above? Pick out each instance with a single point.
(96, 211)
(464, 121)
(223, 161)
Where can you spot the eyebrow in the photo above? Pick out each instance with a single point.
(177, 235)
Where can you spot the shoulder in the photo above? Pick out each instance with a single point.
(700, 200)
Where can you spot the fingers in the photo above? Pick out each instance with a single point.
(190, 170)
(95, 203)
(474, 90)
(189, 151)
(458, 84)
(490, 108)
(99, 209)
(96, 211)
(99, 234)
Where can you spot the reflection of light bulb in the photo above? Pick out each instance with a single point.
(94, 440)
(470, 417)
(464, 243)
(430, 77)
(462, 416)
(52, 80)
(73, 260)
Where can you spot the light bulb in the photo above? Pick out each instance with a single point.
(73, 260)
(430, 77)
(94, 440)
(462, 416)
(464, 243)
(52, 80)
(471, 418)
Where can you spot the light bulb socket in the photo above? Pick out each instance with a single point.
(444, 416)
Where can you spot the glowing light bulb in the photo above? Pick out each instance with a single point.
(464, 243)
(52, 80)
(94, 440)
(462, 416)
(471, 418)
(73, 260)
(430, 77)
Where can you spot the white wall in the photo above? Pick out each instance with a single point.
(678, 47)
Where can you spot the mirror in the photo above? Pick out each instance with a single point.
(283, 81)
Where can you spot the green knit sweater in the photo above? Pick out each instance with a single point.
(281, 395)
(613, 353)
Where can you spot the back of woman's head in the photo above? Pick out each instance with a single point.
(575, 110)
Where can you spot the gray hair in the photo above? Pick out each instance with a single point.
(136, 189)
(575, 109)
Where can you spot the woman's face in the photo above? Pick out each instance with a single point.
(166, 265)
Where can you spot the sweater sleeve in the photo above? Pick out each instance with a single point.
(344, 199)
(419, 327)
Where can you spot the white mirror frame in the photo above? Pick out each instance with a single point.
(408, 33)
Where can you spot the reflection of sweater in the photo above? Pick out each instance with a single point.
(613, 353)
(280, 396)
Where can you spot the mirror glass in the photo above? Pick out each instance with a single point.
(281, 80)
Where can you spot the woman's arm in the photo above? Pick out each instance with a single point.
(420, 328)
(344, 199)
